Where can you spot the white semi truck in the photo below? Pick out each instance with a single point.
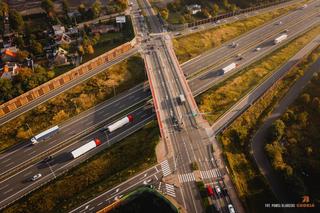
(85, 148)
(44, 135)
(119, 123)
(280, 39)
(229, 68)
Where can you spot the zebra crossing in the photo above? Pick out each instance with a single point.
(165, 168)
(188, 177)
(170, 190)
(213, 173)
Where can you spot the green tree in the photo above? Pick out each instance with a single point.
(316, 104)
(16, 20)
(233, 7)
(164, 14)
(82, 10)
(22, 55)
(303, 119)
(277, 130)
(65, 7)
(226, 4)
(6, 90)
(47, 5)
(305, 98)
(96, 8)
(215, 9)
(36, 47)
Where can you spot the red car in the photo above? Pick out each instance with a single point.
(210, 191)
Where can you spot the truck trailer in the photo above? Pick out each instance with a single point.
(280, 39)
(229, 68)
(120, 123)
(44, 135)
(181, 99)
(85, 148)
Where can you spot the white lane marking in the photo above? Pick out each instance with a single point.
(26, 150)
(31, 153)
(9, 164)
(4, 186)
(6, 160)
(8, 191)
(27, 174)
(99, 204)
(156, 177)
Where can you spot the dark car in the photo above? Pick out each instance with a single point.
(47, 159)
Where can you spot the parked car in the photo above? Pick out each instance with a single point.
(36, 177)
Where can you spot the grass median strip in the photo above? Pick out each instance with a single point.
(119, 77)
(190, 46)
(250, 183)
(221, 97)
(94, 176)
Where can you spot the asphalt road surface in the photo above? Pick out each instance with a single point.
(73, 129)
(19, 184)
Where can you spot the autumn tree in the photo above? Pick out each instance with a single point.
(16, 20)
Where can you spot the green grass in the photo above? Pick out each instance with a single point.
(221, 97)
(101, 172)
(190, 46)
(97, 89)
(250, 183)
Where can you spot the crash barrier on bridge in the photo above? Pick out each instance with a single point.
(110, 207)
(175, 27)
(65, 78)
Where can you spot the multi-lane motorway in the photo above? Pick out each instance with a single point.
(186, 140)
(17, 185)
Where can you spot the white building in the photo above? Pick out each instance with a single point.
(194, 8)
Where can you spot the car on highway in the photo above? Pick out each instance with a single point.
(279, 23)
(36, 177)
(118, 197)
(234, 44)
(47, 159)
(258, 49)
(286, 31)
(146, 182)
(231, 209)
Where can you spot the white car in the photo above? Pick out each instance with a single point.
(231, 209)
(279, 23)
(258, 49)
(36, 177)
(218, 190)
(147, 181)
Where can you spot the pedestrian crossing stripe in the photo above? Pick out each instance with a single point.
(188, 177)
(165, 168)
(213, 173)
(170, 190)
